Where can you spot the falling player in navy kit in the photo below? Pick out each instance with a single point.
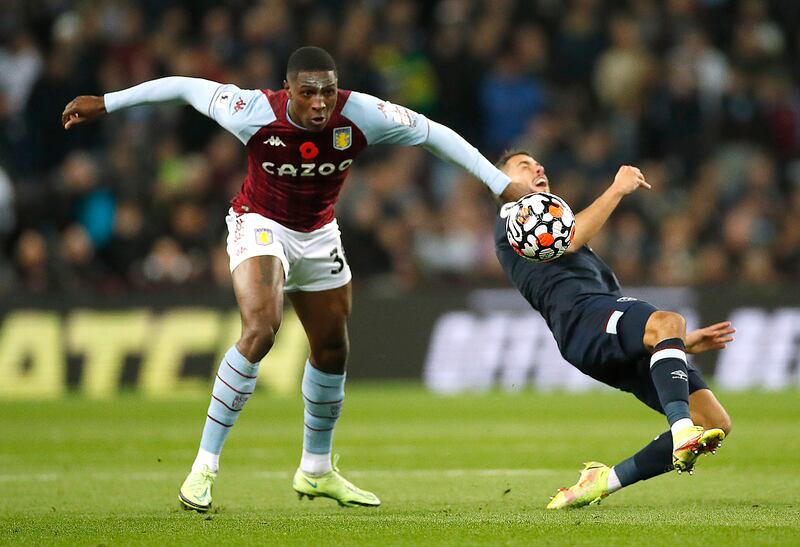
(620, 341)
(283, 237)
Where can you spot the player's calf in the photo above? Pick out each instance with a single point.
(708, 412)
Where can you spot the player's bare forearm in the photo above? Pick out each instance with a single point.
(716, 336)
(589, 221)
(514, 191)
(82, 109)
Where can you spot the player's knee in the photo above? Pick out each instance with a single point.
(666, 324)
(331, 356)
(258, 334)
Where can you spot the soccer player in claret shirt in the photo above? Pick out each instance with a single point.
(620, 341)
(283, 237)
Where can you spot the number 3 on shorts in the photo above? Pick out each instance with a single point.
(338, 260)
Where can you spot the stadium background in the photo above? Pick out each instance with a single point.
(129, 212)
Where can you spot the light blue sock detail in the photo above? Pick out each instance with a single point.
(323, 395)
(235, 382)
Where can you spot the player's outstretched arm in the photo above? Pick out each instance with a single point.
(448, 145)
(453, 148)
(385, 123)
(174, 89)
(715, 336)
(589, 221)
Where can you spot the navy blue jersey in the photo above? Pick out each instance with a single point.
(560, 290)
(597, 330)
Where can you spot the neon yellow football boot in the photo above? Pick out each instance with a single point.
(591, 488)
(195, 492)
(690, 442)
(333, 485)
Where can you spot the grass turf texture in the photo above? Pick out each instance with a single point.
(469, 469)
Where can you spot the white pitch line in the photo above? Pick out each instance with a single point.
(29, 477)
(451, 473)
(408, 473)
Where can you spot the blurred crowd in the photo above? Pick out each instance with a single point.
(701, 94)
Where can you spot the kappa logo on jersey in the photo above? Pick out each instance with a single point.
(263, 236)
(274, 140)
(239, 105)
(627, 299)
(342, 137)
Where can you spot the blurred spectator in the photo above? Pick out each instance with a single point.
(78, 270)
(8, 218)
(399, 58)
(166, 265)
(579, 43)
(510, 98)
(622, 69)
(83, 198)
(129, 243)
(20, 66)
(33, 263)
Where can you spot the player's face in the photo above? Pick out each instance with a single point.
(313, 96)
(524, 168)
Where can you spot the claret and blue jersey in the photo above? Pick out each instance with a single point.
(295, 175)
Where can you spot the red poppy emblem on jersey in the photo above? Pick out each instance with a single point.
(309, 150)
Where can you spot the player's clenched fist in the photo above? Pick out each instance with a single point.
(81, 109)
(628, 179)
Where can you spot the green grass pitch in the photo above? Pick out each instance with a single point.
(468, 469)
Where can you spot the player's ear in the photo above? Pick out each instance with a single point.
(288, 88)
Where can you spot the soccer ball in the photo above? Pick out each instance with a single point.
(539, 226)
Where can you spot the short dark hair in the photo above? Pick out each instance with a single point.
(508, 154)
(309, 59)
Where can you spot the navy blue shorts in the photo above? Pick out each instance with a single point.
(606, 344)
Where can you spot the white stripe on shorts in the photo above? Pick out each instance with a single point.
(611, 326)
(668, 353)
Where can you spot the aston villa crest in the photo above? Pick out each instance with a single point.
(342, 137)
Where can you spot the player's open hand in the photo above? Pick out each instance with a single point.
(715, 336)
(628, 179)
(82, 109)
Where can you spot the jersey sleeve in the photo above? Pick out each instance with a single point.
(453, 148)
(382, 122)
(173, 89)
(385, 123)
(241, 112)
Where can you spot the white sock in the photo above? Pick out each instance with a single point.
(204, 457)
(613, 482)
(681, 424)
(315, 464)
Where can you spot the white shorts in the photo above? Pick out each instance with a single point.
(312, 261)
